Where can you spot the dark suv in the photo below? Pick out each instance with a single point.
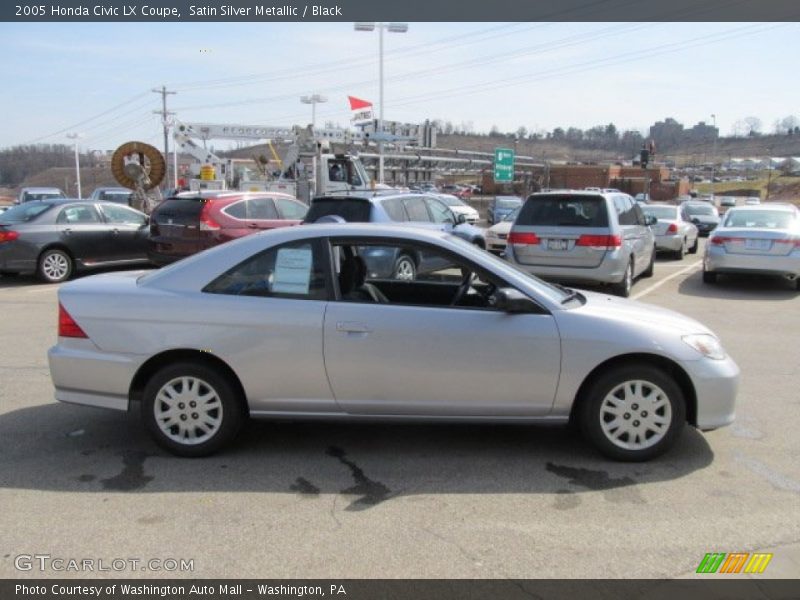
(413, 209)
(193, 221)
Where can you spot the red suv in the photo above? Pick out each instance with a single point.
(193, 221)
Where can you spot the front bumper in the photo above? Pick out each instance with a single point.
(716, 383)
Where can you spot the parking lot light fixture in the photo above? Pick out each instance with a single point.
(392, 28)
(76, 137)
(313, 100)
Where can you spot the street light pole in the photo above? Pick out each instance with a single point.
(75, 136)
(392, 28)
(714, 157)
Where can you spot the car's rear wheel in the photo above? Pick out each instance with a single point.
(648, 272)
(623, 288)
(633, 413)
(191, 409)
(405, 269)
(55, 266)
(695, 246)
(681, 252)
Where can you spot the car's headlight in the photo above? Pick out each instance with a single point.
(706, 344)
(491, 234)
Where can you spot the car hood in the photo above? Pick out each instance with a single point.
(614, 308)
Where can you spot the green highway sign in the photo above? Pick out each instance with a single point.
(503, 165)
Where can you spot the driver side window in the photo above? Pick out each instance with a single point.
(410, 275)
(440, 212)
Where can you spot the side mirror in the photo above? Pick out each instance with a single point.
(513, 301)
(460, 218)
(650, 220)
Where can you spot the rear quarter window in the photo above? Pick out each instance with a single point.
(564, 210)
(351, 210)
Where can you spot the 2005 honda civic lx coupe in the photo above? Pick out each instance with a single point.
(292, 323)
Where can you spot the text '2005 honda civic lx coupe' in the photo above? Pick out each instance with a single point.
(301, 322)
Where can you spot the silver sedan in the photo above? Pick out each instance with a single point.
(287, 324)
(756, 240)
(675, 233)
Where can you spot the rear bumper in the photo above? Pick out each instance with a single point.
(83, 375)
(610, 270)
(720, 261)
(669, 242)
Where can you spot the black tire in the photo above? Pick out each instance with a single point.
(405, 269)
(681, 252)
(623, 288)
(693, 249)
(54, 266)
(479, 243)
(224, 416)
(648, 272)
(608, 399)
(709, 277)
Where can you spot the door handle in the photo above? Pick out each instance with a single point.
(352, 327)
(68, 231)
(115, 231)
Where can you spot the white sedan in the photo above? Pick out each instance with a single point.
(459, 207)
(286, 324)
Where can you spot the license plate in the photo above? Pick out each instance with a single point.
(557, 244)
(757, 244)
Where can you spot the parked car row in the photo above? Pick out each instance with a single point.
(56, 237)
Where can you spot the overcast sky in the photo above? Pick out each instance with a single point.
(95, 79)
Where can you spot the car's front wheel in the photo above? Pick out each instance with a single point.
(191, 409)
(633, 413)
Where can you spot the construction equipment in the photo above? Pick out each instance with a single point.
(140, 167)
(327, 173)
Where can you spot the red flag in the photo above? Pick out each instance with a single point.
(356, 103)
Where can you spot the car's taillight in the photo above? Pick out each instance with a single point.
(206, 222)
(793, 241)
(600, 241)
(8, 236)
(673, 228)
(719, 240)
(67, 327)
(524, 239)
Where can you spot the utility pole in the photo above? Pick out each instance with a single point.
(165, 122)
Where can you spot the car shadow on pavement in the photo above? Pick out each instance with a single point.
(57, 447)
(735, 287)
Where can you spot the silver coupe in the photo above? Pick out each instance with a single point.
(292, 323)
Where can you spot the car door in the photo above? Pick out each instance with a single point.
(408, 357)
(127, 232)
(634, 232)
(82, 230)
(262, 214)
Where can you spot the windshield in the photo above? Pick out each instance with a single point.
(450, 200)
(701, 209)
(23, 213)
(564, 210)
(552, 292)
(660, 212)
(508, 202)
(763, 219)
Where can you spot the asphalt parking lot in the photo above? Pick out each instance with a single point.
(335, 500)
